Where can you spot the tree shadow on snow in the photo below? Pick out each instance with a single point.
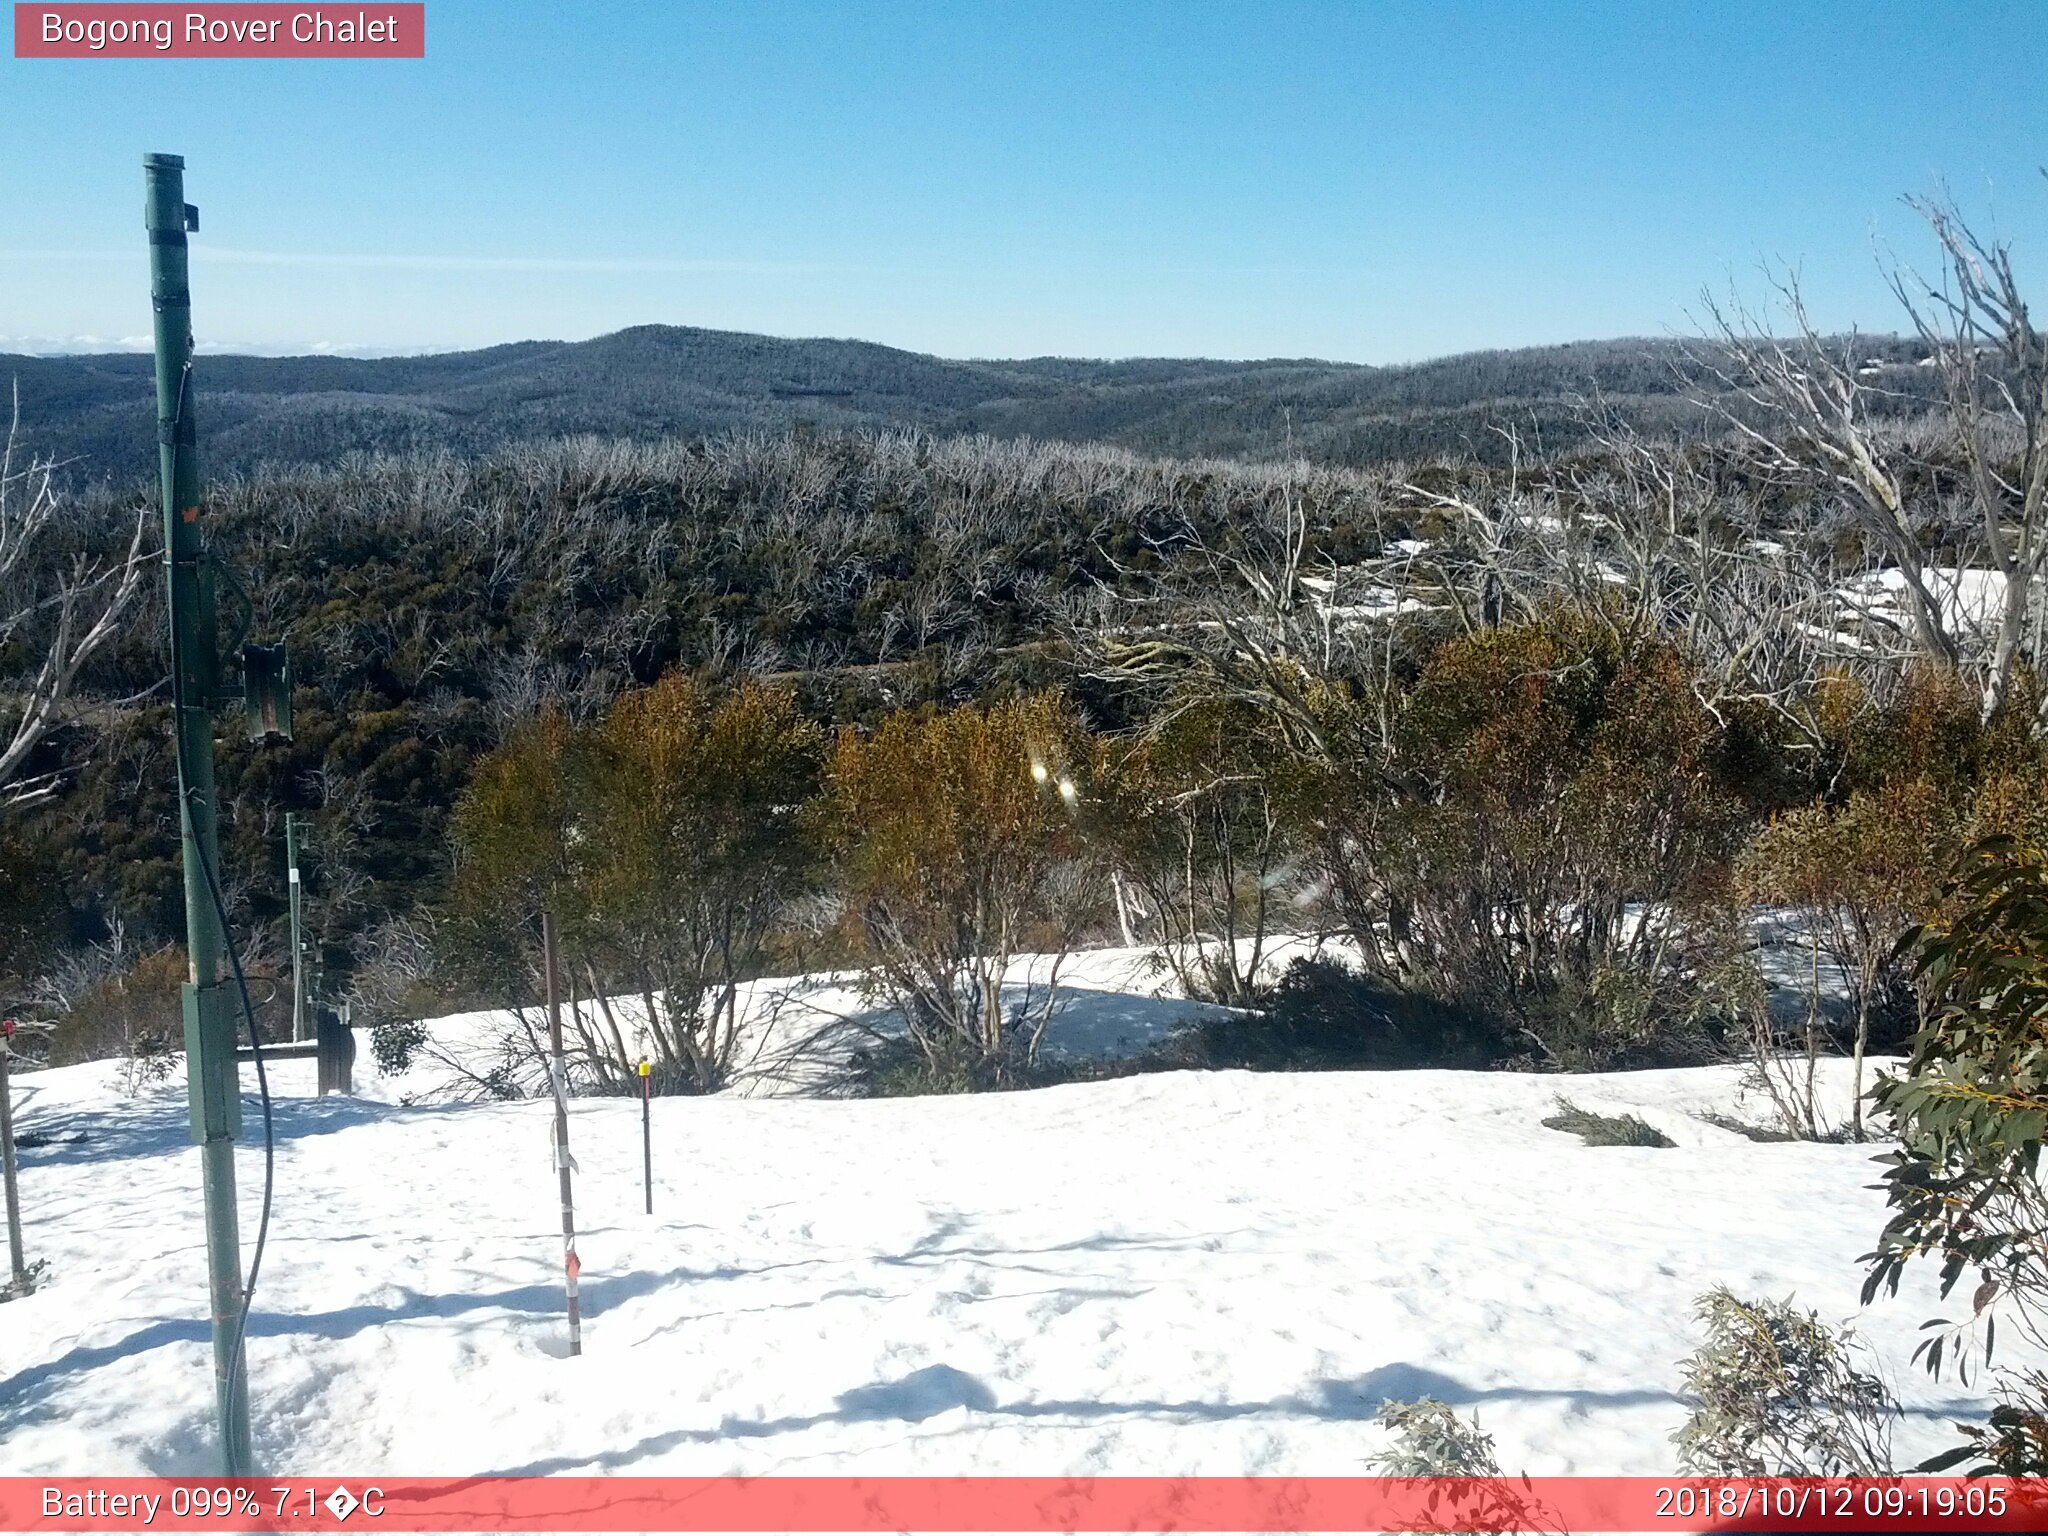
(599, 1294)
(922, 1394)
(938, 1389)
(1362, 1397)
(155, 1127)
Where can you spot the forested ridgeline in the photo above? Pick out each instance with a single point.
(95, 413)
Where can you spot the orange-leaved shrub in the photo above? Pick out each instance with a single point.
(958, 846)
(1555, 812)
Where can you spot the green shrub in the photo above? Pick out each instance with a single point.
(667, 839)
(1857, 874)
(1606, 1130)
(694, 841)
(1778, 1393)
(1538, 821)
(1430, 1440)
(134, 1012)
(1194, 820)
(1464, 1489)
(394, 1043)
(1971, 1105)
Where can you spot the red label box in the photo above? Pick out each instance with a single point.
(241, 31)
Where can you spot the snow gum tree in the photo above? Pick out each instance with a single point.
(1776, 1392)
(958, 847)
(1563, 809)
(1971, 1104)
(1971, 1111)
(1202, 842)
(668, 837)
(693, 842)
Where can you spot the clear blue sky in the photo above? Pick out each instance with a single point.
(1373, 182)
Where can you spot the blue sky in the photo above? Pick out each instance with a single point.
(1369, 182)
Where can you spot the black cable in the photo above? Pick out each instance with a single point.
(227, 942)
(263, 1089)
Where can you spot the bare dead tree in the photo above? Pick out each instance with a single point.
(1823, 434)
(62, 609)
(1994, 369)
(1256, 621)
(1760, 604)
(1822, 411)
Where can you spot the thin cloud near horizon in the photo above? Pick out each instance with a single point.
(664, 265)
(374, 260)
(88, 346)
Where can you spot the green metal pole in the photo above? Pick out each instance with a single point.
(291, 858)
(195, 668)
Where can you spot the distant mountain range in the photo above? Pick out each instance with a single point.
(97, 412)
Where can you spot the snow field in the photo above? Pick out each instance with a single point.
(1176, 1273)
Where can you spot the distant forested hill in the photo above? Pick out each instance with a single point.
(98, 412)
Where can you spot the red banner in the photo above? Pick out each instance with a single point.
(117, 31)
(1557, 1504)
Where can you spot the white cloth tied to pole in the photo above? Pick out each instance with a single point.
(557, 1136)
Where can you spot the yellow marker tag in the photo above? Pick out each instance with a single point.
(646, 1069)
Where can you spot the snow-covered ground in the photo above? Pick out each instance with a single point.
(797, 1030)
(1185, 1272)
(1112, 1003)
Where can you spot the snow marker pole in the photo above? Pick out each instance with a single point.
(571, 1265)
(291, 861)
(647, 1130)
(22, 1282)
